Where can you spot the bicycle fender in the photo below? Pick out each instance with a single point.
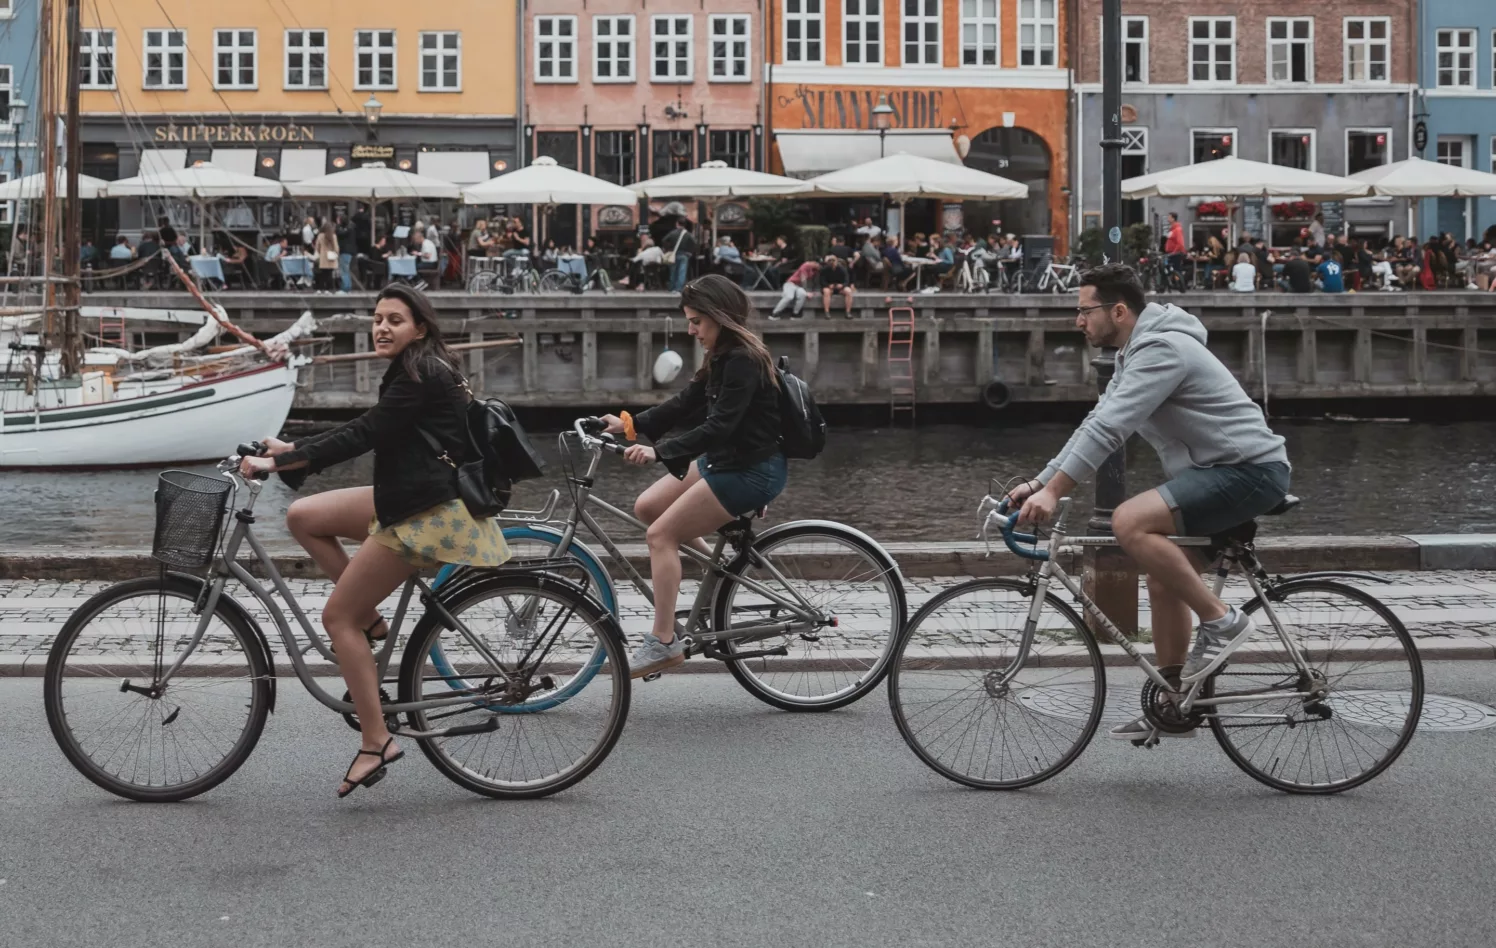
(779, 528)
(233, 605)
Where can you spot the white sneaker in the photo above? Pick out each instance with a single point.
(1138, 729)
(1213, 645)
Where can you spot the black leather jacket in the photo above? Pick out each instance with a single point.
(741, 423)
(408, 476)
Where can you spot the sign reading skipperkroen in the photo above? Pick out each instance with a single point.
(248, 134)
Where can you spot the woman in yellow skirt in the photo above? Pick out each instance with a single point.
(411, 519)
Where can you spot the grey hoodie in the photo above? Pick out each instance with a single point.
(1171, 390)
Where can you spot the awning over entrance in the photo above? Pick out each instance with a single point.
(809, 153)
(458, 167)
(157, 160)
(299, 164)
(237, 160)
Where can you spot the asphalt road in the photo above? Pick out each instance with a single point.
(719, 821)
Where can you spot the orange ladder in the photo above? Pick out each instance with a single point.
(901, 396)
(112, 329)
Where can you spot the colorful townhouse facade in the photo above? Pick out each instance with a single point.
(19, 66)
(1457, 54)
(294, 91)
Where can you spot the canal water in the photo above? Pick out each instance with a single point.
(1355, 478)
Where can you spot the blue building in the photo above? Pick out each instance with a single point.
(18, 83)
(1457, 71)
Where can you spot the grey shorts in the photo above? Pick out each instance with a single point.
(1209, 500)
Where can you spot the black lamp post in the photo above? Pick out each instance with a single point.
(882, 119)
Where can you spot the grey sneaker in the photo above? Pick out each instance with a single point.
(654, 656)
(1138, 729)
(1214, 645)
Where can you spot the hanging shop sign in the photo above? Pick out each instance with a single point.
(249, 134)
(373, 151)
(616, 216)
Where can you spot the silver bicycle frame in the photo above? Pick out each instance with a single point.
(697, 626)
(1050, 570)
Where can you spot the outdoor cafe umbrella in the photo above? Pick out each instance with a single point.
(715, 182)
(202, 183)
(30, 188)
(904, 177)
(1416, 178)
(546, 183)
(374, 183)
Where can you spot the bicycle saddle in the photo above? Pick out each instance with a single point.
(1288, 503)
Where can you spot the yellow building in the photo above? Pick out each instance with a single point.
(296, 90)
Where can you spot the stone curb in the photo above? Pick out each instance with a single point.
(1429, 650)
(1290, 554)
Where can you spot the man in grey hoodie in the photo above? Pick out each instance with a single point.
(1225, 466)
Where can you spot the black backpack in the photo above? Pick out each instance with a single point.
(500, 453)
(802, 430)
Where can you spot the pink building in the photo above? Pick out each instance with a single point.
(628, 92)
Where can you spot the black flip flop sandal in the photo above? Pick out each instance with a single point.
(374, 776)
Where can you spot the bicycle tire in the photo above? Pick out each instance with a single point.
(481, 777)
(555, 281)
(1370, 707)
(482, 282)
(1049, 702)
(255, 696)
(815, 663)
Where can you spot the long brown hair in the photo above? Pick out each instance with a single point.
(432, 346)
(724, 302)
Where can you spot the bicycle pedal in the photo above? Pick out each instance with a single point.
(652, 676)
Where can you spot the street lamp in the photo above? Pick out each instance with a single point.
(372, 108)
(882, 118)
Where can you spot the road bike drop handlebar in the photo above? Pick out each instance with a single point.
(997, 516)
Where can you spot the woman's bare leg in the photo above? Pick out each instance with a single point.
(318, 521)
(658, 497)
(695, 514)
(374, 572)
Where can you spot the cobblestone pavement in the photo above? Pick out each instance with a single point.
(1433, 605)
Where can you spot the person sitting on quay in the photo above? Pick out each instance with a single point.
(795, 290)
(1331, 277)
(941, 250)
(149, 246)
(1244, 273)
(870, 261)
(836, 279)
(649, 255)
(896, 270)
(121, 252)
(1297, 275)
(726, 251)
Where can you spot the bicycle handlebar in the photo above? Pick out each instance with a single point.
(998, 516)
(591, 429)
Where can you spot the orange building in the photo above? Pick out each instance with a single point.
(984, 82)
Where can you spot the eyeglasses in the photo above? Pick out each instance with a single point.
(1080, 310)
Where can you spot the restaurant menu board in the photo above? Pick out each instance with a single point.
(1252, 214)
(1334, 212)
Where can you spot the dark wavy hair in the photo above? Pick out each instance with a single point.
(725, 303)
(431, 348)
(1116, 283)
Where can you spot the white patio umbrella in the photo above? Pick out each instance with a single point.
(545, 182)
(1416, 178)
(203, 183)
(904, 177)
(30, 188)
(715, 183)
(1239, 177)
(374, 183)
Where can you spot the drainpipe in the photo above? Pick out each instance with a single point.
(519, 85)
(768, 91)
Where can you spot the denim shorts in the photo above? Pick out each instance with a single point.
(744, 491)
(1209, 500)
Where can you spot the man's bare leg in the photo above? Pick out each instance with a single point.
(1143, 526)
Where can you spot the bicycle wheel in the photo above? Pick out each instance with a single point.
(483, 281)
(555, 281)
(145, 743)
(1344, 723)
(530, 754)
(530, 541)
(968, 709)
(850, 581)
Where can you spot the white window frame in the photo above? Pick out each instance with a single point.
(1145, 42)
(1313, 143)
(1212, 42)
(672, 38)
(1365, 130)
(88, 45)
(612, 39)
(1288, 44)
(556, 60)
(376, 51)
(7, 85)
(976, 23)
(306, 51)
(442, 53)
(237, 52)
(1038, 23)
(1454, 33)
(1466, 158)
(1367, 43)
(731, 39)
(922, 20)
(804, 19)
(165, 52)
(1214, 130)
(7, 10)
(863, 20)
(7, 208)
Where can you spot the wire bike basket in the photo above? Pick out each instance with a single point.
(189, 516)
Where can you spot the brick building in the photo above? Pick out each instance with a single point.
(1326, 89)
(628, 91)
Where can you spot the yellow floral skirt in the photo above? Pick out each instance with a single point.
(446, 533)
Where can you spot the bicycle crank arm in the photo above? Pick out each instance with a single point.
(461, 730)
(721, 656)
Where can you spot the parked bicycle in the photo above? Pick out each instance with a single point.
(569, 281)
(512, 274)
(804, 614)
(1000, 684)
(1057, 277)
(494, 651)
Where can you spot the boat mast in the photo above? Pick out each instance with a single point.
(62, 226)
(72, 249)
